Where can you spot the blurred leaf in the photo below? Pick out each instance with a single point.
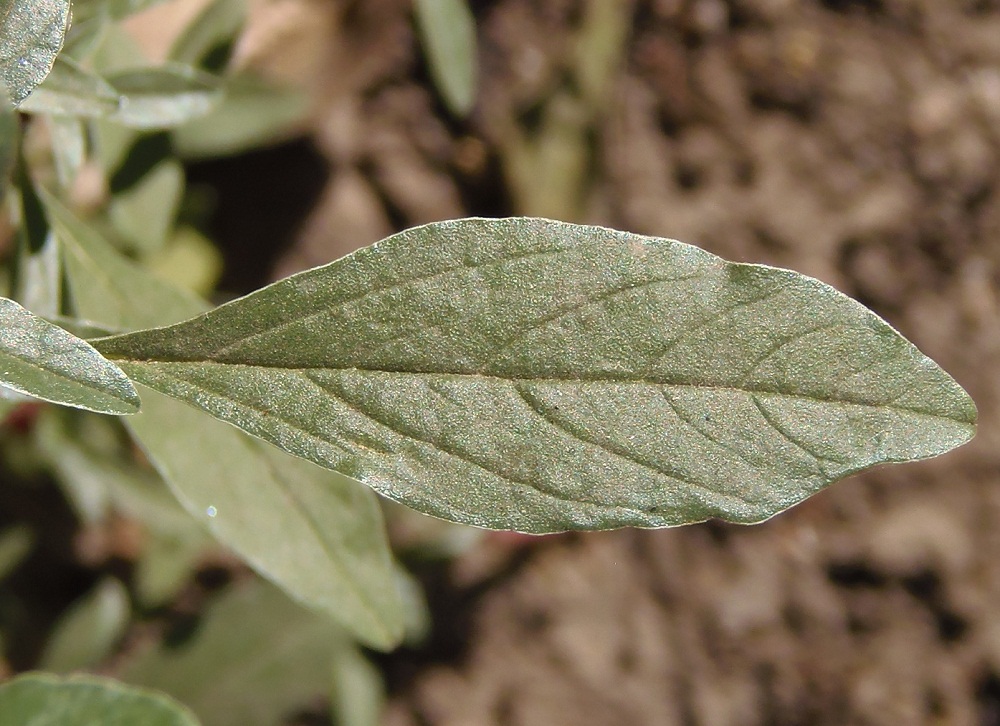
(255, 658)
(144, 213)
(164, 96)
(314, 532)
(252, 114)
(39, 278)
(82, 475)
(112, 9)
(31, 35)
(45, 361)
(189, 261)
(107, 288)
(43, 699)
(88, 632)
(540, 376)
(69, 147)
(358, 695)
(10, 139)
(15, 544)
(448, 33)
(71, 90)
(166, 565)
(217, 25)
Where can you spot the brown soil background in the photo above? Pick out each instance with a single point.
(857, 142)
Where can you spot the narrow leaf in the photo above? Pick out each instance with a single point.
(31, 35)
(254, 658)
(43, 360)
(71, 90)
(89, 630)
(144, 213)
(448, 32)
(10, 139)
(42, 699)
(215, 26)
(541, 376)
(315, 533)
(165, 96)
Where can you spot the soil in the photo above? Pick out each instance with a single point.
(855, 141)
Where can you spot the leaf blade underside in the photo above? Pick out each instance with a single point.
(540, 376)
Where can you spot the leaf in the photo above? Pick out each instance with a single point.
(252, 114)
(448, 32)
(71, 90)
(315, 533)
(215, 26)
(254, 658)
(43, 360)
(144, 213)
(15, 544)
(10, 139)
(31, 35)
(89, 630)
(43, 699)
(165, 96)
(541, 376)
(69, 148)
(107, 288)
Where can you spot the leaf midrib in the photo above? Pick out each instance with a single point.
(555, 380)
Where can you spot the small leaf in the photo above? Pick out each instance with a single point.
(448, 32)
(165, 96)
(43, 699)
(71, 90)
(317, 534)
(541, 376)
(45, 361)
(31, 35)
(116, 293)
(254, 658)
(15, 544)
(69, 148)
(217, 25)
(89, 630)
(10, 139)
(144, 213)
(252, 114)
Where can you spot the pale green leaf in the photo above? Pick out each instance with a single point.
(541, 376)
(88, 632)
(31, 35)
(144, 213)
(10, 139)
(72, 90)
(315, 533)
(43, 699)
(448, 32)
(216, 25)
(164, 96)
(15, 544)
(107, 288)
(43, 360)
(256, 657)
(69, 147)
(358, 694)
(251, 115)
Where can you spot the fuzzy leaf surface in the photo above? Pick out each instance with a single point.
(541, 376)
(31, 34)
(43, 360)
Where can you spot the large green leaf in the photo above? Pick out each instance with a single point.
(448, 33)
(42, 699)
(89, 630)
(542, 376)
(256, 657)
(315, 533)
(43, 360)
(31, 35)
